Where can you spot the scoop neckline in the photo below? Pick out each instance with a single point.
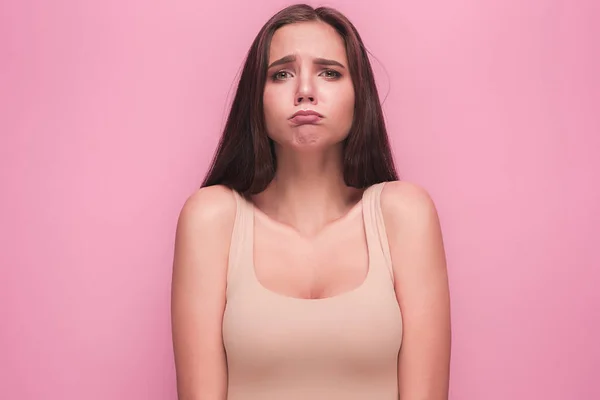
(347, 293)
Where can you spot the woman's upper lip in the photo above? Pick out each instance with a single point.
(306, 112)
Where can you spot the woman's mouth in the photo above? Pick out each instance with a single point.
(303, 117)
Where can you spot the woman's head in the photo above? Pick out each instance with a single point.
(304, 58)
(308, 73)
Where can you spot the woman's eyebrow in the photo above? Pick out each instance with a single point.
(324, 61)
(283, 60)
(291, 58)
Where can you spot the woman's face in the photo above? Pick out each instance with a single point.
(308, 73)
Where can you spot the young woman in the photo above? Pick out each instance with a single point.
(303, 268)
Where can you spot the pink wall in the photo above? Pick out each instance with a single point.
(110, 110)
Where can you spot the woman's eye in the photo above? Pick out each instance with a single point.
(283, 75)
(330, 73)
(279, 76)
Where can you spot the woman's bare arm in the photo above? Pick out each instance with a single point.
(421, 285)
(198, 293)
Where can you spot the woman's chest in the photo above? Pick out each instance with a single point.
(326, 266)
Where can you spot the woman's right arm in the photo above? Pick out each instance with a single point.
(198, 293)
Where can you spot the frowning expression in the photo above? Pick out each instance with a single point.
(308, 96)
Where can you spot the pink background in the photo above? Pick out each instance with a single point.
(111, 109)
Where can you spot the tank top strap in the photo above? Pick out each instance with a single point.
(241, 236)
(374, 225)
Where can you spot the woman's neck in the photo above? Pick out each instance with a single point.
(308, 192)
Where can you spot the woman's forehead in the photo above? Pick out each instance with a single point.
(307, 40)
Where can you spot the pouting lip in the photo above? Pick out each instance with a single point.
(306, 112)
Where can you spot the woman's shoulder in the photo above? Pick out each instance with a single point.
(209, 207)
(407, 204)
(414, 232)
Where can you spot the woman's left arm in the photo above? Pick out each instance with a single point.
(421, 285)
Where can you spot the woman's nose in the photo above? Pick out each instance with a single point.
(306, 91)
(303, 98)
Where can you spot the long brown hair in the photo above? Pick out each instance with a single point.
(245, 157)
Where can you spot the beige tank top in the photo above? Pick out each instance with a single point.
(337, 348)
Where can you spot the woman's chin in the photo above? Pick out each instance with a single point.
(307, 138)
